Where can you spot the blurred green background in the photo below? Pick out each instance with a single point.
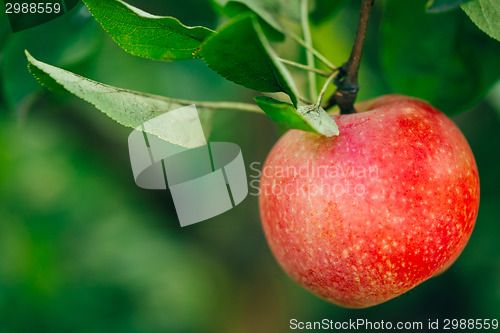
(83, 249)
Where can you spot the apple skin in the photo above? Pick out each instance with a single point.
(406, 216)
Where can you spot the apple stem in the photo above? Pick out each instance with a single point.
(347, 78)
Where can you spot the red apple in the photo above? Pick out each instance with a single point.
(361, 218)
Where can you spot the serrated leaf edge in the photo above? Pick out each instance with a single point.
(141, 13)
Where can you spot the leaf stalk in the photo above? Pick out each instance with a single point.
(304, 67)
(306, 31)
(325, 86)
(311, 49)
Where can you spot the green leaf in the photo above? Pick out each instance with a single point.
(145, 35)
(74, 41)
(443, 59)
(306, 118)
(437, 6)
(273, 12)
(232, 9)
(485, 14)
(324, 9)
(129, 108)
(241, 53)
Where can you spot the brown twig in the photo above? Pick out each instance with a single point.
(347, 79)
